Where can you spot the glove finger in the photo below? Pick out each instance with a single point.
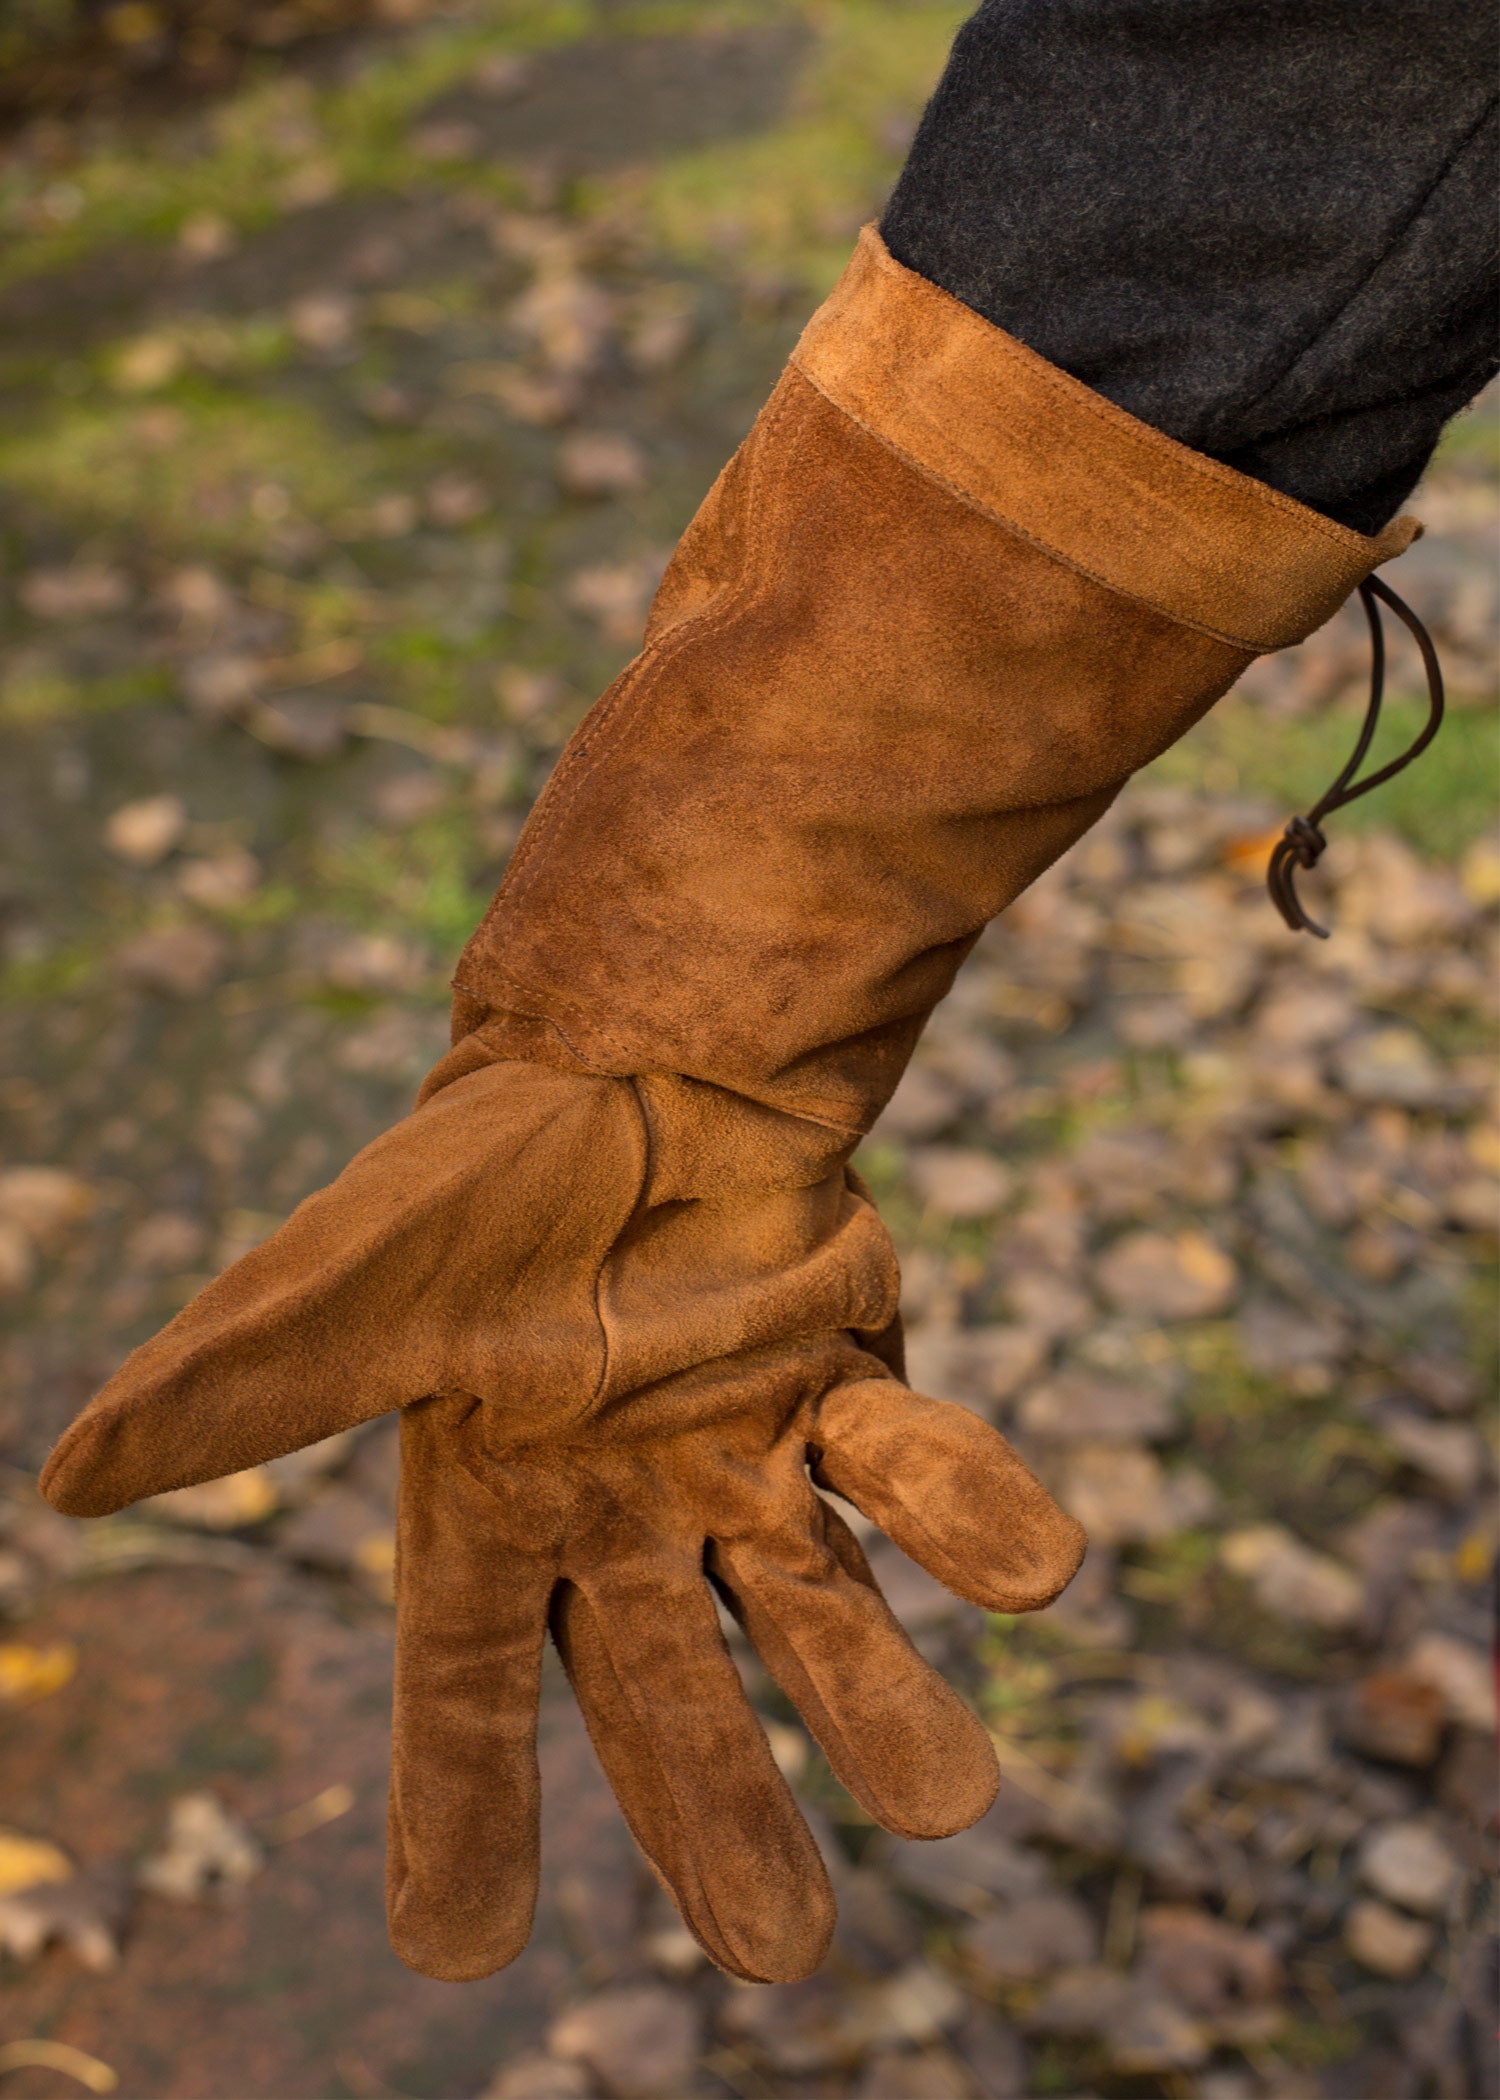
(691, 1767)
(898, 1737)
(458, 1252)
(471, 1622)
(949, 1490)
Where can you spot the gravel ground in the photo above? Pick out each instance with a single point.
(348, 419)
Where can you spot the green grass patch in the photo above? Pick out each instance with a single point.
(34, 692)
(276, 144)
(788, 201)
(424, 880)
(1440, 805)
(231, 471)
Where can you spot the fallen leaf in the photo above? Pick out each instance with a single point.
(209, 1853)
(145, 832)
(1386, 1940)
(79, 592)
(1460, 1673)
(226, 1504)
(84, 1914)
(1152, 1275)
(1410, 1864)
(27, 1861)
(601, 463)
(954, 1181)
(28, 1674)
(44, 1201)
(181, 960)
(1289, 1578)
(642, 2040)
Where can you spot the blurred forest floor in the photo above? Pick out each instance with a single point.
(359, 370)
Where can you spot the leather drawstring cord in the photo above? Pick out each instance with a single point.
(1301, 845)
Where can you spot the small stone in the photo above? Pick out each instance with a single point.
(1300, 1015)
(1290, 1579)
(222, 686)
(1461, 1674)
(145, 832)
(907, 2074)
(80, 592)
(615, 595)
(375, 962)
(1444, 1384)
(445, 139)
(967, 1871)
(915, 2005)
(1213, 1969)
(1154, 2034)
(1081, 1407)
(309, 726)
(923, 1104)
(393, 516)
(673, 1950)
(345, 1532)
(322, 320)
(1449, 1453)
(1391, 1065)
(1028, 1940)
(1285, 1341)
(455, 499)
(539, 2078)
(641, 2040)
(1408, 1863)
(45, 1202)
(1122, 1494)
(17, 1260)
(183, 961)
(1047, 1303)
(1152, 1275)
(601, 463)
(1080, 2002)
(503, 75)
(1387, 1941)
(955, 1182)
(221, 881)
(205, 236)
(976, 1366)
(794, 2028)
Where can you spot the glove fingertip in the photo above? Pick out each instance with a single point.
(78, 1480)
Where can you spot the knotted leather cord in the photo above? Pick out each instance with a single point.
(1302, 844)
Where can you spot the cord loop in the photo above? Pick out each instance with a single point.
(1302, 844)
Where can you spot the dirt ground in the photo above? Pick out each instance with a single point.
(354, 391)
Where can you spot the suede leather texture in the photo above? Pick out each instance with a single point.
(616, 1267)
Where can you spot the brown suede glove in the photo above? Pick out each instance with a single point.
(629, 1315)
(939, 607)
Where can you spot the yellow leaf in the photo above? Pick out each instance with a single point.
(218, 1505)
(26, 1861)
(28, 1673)
(375, 1557)
(1204, 1262)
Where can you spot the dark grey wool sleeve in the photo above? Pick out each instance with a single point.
(1267, 227)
